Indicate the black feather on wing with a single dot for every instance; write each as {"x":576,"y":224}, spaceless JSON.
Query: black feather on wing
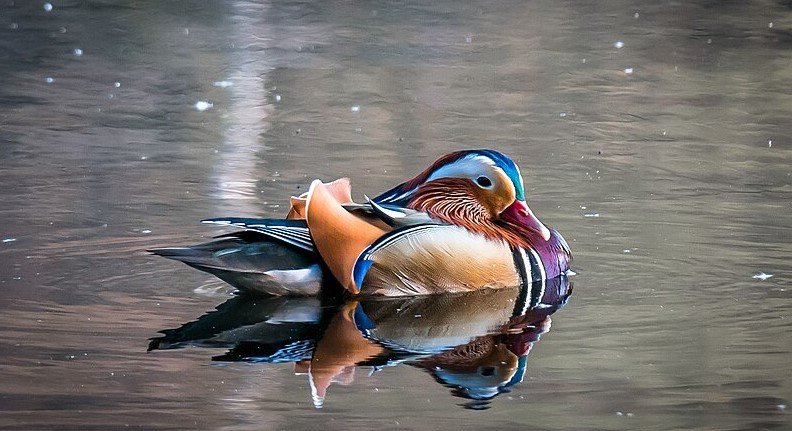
{"x":293,"y":232}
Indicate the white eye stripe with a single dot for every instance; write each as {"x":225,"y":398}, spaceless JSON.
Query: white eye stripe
{"x":471,"y":166}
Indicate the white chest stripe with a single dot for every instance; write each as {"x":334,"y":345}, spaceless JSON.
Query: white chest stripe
{"x":542,"y":281}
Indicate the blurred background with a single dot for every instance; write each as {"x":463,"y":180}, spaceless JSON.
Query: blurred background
{"x":654,"y":135}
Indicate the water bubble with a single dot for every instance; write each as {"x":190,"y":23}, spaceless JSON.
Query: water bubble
{"x":628,"y":70}
{"x":636,"y":15}
{"x":619,"y":44}
{"x":709,"y":41}
{"x":78,"y":52}
{"x":49,"y":80}
{"x":13,"y":26}
{"x":117,"y":85}
{"x":223,"y":84}
{"x":355,"y":108}
{"x":761,"y":276}
{"x":48,"y":7}
{"x":203,"y":105}
{"x":62,"y":29}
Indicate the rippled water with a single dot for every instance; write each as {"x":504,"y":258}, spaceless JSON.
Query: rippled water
{"x":655,"y":137}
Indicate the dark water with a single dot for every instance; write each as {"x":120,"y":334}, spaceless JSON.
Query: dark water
{"x":679,"y":140}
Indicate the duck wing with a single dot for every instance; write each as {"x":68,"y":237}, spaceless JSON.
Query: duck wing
{"x":292,"y":232}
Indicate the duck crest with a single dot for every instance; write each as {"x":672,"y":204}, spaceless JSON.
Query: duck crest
{"x":403,"y":193}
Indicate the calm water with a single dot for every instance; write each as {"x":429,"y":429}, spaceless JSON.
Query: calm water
{"x":665,"y":160}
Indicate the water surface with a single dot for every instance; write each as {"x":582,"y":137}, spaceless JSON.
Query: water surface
{"x":665,"y":160}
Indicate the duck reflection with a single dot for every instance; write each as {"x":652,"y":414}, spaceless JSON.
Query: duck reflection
{"x":475,"y":343}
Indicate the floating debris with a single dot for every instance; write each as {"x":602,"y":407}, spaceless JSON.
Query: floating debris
{"x":78,"y":52}
{"x":761,"y":276}
{"x":355,"y":108}
{"x":626,"y":250}
{"x":117,"y":84}
{"x":48,"y":7}
{"x":770,"y":25}
{"x":591,"y":215}
{"x":570,"y":273}
{"x":49,"y":80}
{"x":628,"y":70}
{"x":277,"y":97}
{"x":6,"y":240}
{"x":203,"y":106}
{"x":145,"y":231}
{"x":636,"y":15}
{"x":619,"y":44}
{"x":223,"y":84}
{"x":770,"y":143}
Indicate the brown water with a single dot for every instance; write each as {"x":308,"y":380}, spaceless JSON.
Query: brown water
{"x":687,"y":161}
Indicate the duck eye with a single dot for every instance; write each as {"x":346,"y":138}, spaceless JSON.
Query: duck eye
{"x":484,"y":182}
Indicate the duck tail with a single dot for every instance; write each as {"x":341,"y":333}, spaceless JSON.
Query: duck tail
{"x":260,"y":266}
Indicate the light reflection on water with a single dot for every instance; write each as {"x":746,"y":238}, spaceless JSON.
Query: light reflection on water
{"x":674,"y":157}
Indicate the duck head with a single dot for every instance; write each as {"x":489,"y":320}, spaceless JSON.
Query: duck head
{"x":481,"y":190}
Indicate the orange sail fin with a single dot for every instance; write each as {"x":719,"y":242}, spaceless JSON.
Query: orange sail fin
{"x":339,"y":236}
{"x":340,"y":189}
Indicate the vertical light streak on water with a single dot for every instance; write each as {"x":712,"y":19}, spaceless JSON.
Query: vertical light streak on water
{"x":247,"y":112}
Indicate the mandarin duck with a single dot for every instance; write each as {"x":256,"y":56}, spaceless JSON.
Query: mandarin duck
{"x":462,"y":224}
